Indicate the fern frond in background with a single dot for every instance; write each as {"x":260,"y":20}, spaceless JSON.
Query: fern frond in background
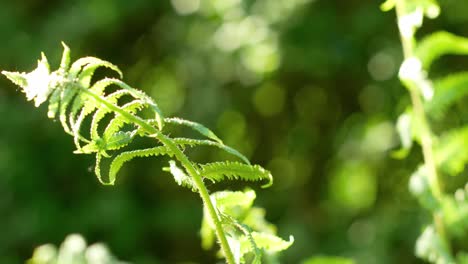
{"x":117,"y":115}
{"x":252,"y":232}
{"x":443,"y":154}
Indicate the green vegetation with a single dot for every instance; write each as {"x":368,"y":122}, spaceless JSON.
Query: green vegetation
{"x":443,"y":153}
{"x":73,"y":250}
{"x":73,"y":97}
{"x":368,"y":157}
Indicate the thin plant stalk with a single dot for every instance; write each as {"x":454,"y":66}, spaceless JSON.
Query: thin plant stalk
{"x":408,"y":44}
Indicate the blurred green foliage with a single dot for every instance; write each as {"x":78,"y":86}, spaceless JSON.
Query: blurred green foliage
{"x":306,"y":88}
{"x":73,"y":250}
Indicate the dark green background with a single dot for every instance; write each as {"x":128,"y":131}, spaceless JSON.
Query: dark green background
{"x":317,"y":108}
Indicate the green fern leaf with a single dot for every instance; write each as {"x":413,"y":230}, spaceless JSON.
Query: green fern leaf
{"x":268,"y":242}
{"x":91,"y":64}
{"x":114,"y":142}
{"x":87,"y":104}
{"x":65,"y":61}
{"x":183,"y":142}
{"x":54,"y":104}
{"x":102,"y":111}
{"x":195,"y":126}
{"x":119,"y":140}
{"x":450,"y":151}
{"x":255,"y":219}
{"x":73,"y":98}
{"x":232,"y":205}
{"x":180,"y":177}
{"x":95,"y":146}
{"x":142,"y":96}
{"x":447,"y":91}
{"x":97,"y":170}
{"x":438,"y":44}
{"x":234,"y":209}
{"x":97,"y":117}
{"x":99,"y":87}
{"x":247,"y":233}
{"x":387,"y":5}
{"x":82,"y":106}
{"x":18,"y":78}
{"x":219,"y":171}
{"x":36,"y":84}
{"x":226,"y":201}
{"x":76,"y":99}
{"x":88,"y":71}
{"x":118,"y":122}
{"x":76,"y":126}
{"x":66,"y":97}
{"x":123,"y":157}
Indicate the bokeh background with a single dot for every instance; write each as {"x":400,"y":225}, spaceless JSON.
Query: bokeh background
{"x":307,"y":89}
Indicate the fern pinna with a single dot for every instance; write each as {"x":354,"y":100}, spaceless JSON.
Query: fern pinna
{"x":444,"y":154}
{"x":118,"y":114}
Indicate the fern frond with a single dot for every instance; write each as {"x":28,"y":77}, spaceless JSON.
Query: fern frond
{"x":190,"y":142}
{"x":97,"y":170}
{"x":97,"y":117}
{"x":119,"y":140}
{"x":247,"y":233}
{"x":219,"y":171}
{"x":180,"y":177}
{"x":118,"y":122}
{"x":65,"y":61}
{"x":36,"y":84}
{"x":227,"y":200}
{"x":234,"y":209}
{"x":438,"y":44}
{"x":102,"y":145}
{"x":195,"y":126}
{"x":72,"y":98}
{"x":85,"y":105}
{"x":256,"y":220}
{"x":76,"y":100}
{"x":102,"y":111}
{"x":87,"y":66}
{"x":447,"y":91}
{"x":54,"y":104}
{"x":231,"y":205}
{"x":66,"y":97}
{"x":127,"y":156}
{"x":268,"y":242}
{"x":76,"y":126}
{"x":137,"y":95}
{"x":450,"y":152}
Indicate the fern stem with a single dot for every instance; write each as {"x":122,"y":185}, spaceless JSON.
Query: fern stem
{"x":182,"y":158}
{"x":408,"y":44}
{"x":203,"y":191}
